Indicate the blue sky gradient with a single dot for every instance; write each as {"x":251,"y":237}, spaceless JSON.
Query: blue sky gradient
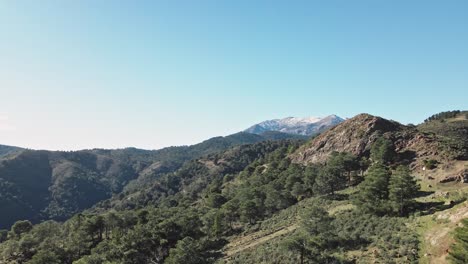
{"x":149,"y":74}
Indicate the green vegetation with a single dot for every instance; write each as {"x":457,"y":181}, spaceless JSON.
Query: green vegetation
{"x":443,"y":115}
{"x":382,"y":151}
{"x":430,"y":164}
{"x":451,"y":131}
{"x":383,"y":191}
{"x":314,"y":238}
{"x":187,"y":215}
{"x":216,"y":202}
{"x":41,"y":185}
{"x":459,"y":251}
{"x":402,"y":189}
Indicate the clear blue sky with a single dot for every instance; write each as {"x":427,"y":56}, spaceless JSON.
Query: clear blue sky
{"x":85,"y":74}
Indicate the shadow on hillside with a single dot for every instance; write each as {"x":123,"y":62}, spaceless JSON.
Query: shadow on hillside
{"x":353,"y":244}
{"x":423,"y":194}
{"x":338,"y":197}
{"x":406,"y":157}
{"x":432,"y":207}
{"x":215,"y":247}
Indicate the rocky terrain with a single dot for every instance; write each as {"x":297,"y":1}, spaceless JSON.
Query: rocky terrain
{"x":356,"y":135}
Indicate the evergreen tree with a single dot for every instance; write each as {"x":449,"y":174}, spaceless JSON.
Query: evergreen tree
{"x":299,"y":243}
{"x":249,"y":211}
{"x":458,"y":253}
{"x":313,"y":238}
{"x":298,"y":191}
{"x":336,"y":174}
{"x":186,"y":251}
{"x":382,"y":151}
{"x":215,"y":200}
{"x":310,"y":174}
{"x":372,"y":196}
{"x":3,"y":235}
{"x":329,"y":180}
{"x":21,"y":227}
{"x":402,"y":189}
{"x":48,"y":257}
{"x":229,"y":210}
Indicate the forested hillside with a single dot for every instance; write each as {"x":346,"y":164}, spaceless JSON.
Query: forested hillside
{"x":8,"y":150}
{"x":41,"y":185}
{"x":369,"y":190}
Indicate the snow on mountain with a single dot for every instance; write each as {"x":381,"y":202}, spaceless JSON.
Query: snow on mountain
{"x":306,"y":126}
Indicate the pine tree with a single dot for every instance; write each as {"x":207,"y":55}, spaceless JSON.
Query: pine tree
{"x":314,"y":236}
{"x":458,"y":253}
{"x":299,"y":243}
{"x":330,"y":179}
{"x":372,"y":196}
{"x":20,"y":227}
{"x":186,"y":251}
{"x":402,"y":189}
{"x":249,"y":211}
{"x":382,"y":151}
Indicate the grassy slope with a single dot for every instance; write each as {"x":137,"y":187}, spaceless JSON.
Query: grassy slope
{"x":453,"y":132}
{"x":435,"y":229}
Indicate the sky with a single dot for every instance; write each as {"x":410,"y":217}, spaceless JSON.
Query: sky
{"x":150,"y":74}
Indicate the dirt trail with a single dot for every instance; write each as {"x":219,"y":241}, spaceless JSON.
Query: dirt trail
{"x":254,"y":239}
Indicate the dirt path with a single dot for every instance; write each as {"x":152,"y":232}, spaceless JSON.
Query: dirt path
{"x":254,"y":239}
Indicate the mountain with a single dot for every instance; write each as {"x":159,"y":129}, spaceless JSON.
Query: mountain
{"x":432,"y":140}
{"x":307,"y":126}
{"x":7,"y":150}
{"x":331,"y":199}
{"x":40,"y":185}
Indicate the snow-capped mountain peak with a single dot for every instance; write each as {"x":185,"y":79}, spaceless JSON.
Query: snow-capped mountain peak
{"x":296,"y":125}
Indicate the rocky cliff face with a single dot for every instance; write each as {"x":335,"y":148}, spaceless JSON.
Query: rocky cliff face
{"x":356,"y":136}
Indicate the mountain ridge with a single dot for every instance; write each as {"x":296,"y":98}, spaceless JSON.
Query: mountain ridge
{"x":246,"y":203}
{"x":41,"y":184}
{"x":357,"y":134}
{"x":305,"y":126}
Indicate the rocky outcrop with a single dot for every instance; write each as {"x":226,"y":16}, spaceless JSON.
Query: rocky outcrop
{"x":354,"y":135}
{"x":459,"y":177}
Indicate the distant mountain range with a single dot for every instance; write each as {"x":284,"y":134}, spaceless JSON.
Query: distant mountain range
{"x":40,"y":185}
{"x":307,"y":126}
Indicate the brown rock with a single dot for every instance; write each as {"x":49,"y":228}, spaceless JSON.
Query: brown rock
{"x":354,"y":135}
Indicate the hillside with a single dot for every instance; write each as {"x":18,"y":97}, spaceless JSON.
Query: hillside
{"x":428,"y":141}
{"x":357,"y":193}
{"x":452,"y":131}
{"x":8,"y":150}
{"x":38,"y":185}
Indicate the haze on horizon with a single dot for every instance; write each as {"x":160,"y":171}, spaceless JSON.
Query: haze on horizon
{"x":150,"y":74}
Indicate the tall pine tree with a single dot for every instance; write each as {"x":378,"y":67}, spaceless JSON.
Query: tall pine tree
{"x":382,"y":151}
{"x":372,"y":196}
{"x":402,"y":189}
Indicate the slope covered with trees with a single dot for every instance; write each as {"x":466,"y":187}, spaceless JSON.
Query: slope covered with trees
{"x":40,"y":185}
{"x":8,"y":150}
{"x":259,"y":203}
